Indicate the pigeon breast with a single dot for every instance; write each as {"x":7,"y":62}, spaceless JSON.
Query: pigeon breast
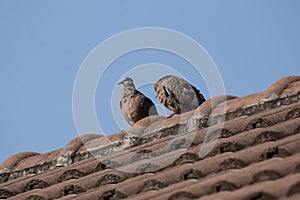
{"x":135,"y":105}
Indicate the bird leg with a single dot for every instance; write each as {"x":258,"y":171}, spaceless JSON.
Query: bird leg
{"x":171,"y":115}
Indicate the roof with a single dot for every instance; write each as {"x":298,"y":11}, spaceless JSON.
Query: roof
{"x":254,"y":154}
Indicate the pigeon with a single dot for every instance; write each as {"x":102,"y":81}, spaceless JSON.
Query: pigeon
{"x":134,"y":104}
{"x":177,"y":94}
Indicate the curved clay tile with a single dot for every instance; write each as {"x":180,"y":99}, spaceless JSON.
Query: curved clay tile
{"x":283,"y":83}
{"x":76,"y":143}
{"x":13,"y":161}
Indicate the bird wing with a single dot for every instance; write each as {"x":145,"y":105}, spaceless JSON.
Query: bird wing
{"x":147,"y":106}
{"x":166,"y":97}
{"x":141,"y":106}
{"x":178,"y":95}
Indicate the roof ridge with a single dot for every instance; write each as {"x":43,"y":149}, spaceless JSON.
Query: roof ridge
{"x":277,"y":95}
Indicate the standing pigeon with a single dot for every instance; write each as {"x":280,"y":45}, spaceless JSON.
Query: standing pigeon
{"x":177,"y":94}
{"x":135,"y":105}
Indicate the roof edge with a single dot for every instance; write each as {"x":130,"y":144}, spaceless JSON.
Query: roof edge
{"x":285,"y":91}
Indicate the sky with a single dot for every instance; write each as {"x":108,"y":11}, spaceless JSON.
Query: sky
{"x":43,"y":44}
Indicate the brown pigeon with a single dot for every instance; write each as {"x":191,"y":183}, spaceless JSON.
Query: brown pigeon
{"x":134,"y":104}
{"x":177,"y":94}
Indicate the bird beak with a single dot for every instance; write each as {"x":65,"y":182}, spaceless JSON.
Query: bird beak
{"x":120,"y":83}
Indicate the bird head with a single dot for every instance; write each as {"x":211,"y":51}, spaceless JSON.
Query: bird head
{"x":127,"y":82}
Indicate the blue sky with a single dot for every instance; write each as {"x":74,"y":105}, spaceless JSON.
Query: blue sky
{"x":43,"y":44}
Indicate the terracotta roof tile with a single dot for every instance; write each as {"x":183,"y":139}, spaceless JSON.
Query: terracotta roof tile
{"x":235,"y":179}
{"x":282,"y":187}
{"x":282,"y":84}
{"x":206,"y":108}
{"x":76,"y":143}
{"x":293,"y":197}
{"x":11,"y":162}
{"x":36,"y":160}
{"x":228,"y":161}
{"x":288,"y":85}
{"x":256,"y":155}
